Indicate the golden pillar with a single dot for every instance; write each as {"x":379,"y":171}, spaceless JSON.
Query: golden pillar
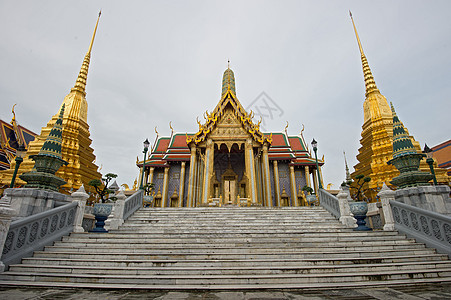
{"x":141,"y":173}
{"x":250,"y":170}
{"x":150,"y":177}
{"x":321,"y":175}
{"x":192,"y":175}
{"x":182,"y":183}
{"x":276,"y":183}
{"x":165,"y":187}
{"x":266,"y":178}
{"x":307,"y":176}
{"x":294,"y":197}
{"x":208,"y":171}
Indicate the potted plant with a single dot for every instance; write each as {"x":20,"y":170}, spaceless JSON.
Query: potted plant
{"x":359,"y":205}
{"x":103,"y":209}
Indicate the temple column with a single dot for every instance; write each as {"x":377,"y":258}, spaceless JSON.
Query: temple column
{"x":267,"y":180}
{"x":307,"y":176}
{"x":192,"y":175}
{"x":151,"y":174}
{"x":294,"y":198}
{"x":182,"y":183}
{"x":165,"y":187}
{"x":276,"y":183}
{"x":321,"y":177}
{"x":208,"y":170}
{"x":250,"y":170}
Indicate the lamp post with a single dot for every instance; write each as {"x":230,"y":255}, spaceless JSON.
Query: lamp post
{"x":314,"y":145}
{"x":20,"y":154}
{"x":430,"y":161}
{"x":146,"y":148}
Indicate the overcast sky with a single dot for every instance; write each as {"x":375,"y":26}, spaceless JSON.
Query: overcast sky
{"x":159,"y":61}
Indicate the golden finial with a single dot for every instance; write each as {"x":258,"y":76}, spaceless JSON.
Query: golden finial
{"x":302,"y":130}
{"x":170,"y":126}
{"x":94,"y":34}
{"x":228,"y":64}
{"x":286,"y":127}
{"x":80,"y":83}
{"x":356,"y":34}
{"x":156,"y":130}
{"x":370,"y":84}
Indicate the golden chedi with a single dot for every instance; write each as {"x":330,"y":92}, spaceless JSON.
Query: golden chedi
{"x":377,"y":136}
{"x":75,"y":148}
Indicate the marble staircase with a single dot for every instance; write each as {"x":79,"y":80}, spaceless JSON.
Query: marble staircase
{"x":231,"y":248}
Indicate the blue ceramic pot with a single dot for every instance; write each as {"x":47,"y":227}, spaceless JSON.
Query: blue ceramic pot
{"x":103,"y":209}
{"x":359,"y":210}
{"x":101,"y":213}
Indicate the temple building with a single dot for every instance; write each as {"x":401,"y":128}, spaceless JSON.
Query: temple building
{"x":377,"y":136}
{"x":76,"y":149}
{"x":11,"y":136}
{"x":229,"y":161}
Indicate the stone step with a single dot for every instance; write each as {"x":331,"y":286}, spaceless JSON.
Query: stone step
{"x":150,"y":254}
{"x":410,"y":283}
{"x":231,"y":250}
{"x":256,"y":244}
{"x":334,"y":233}
{"x":222,"y":238}
{"x":235,"y":279}
{"x":288,"y":262}
{"x":254,"y":270}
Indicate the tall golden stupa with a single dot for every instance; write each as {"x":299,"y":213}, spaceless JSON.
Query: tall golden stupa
{"x":76,"y":149}
{"x":377,"y":136}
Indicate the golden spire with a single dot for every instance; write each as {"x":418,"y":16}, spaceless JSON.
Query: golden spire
{"x":370,"y":84}
{"x":80,"y":83}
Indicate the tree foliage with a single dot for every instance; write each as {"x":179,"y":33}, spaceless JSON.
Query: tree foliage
{"x":101,"y":186}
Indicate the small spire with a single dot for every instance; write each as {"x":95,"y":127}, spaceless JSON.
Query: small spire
{"x":348,"y":175}
{"x":228,"y":82}
{"x":52,"y":144}
{"x":370,"y":84}
{"x":80,"y":83}
{"x":402,"y":144}
{"x":228,"y":64}
{"x":392,"y":109}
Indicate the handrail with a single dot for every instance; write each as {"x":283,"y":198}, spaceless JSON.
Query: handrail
{"x":37,"y":231}
{"x":329,"y":202}
{"x":425,"y":226}
{"x":132,"y":204}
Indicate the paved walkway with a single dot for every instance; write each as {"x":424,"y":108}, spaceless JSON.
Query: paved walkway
{"x":432,"y":292}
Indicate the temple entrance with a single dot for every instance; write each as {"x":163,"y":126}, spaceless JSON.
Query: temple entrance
{"x":230,"y":192}
{"x":229,"y":171}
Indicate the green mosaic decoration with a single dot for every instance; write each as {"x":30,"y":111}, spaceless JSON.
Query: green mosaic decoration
{"x":48,"y":161}
{"x":405,"y":158}
{"x":228,"y":82}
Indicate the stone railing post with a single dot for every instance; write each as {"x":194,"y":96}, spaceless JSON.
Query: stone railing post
{"x":386,"y":194}
{"x":6,"y":214}
{"x":80,"y":197}
{"x":118,"y":212}
{"x":345,"y":212}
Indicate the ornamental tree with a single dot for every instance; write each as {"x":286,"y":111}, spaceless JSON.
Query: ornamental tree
{"x":101,"y":186}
